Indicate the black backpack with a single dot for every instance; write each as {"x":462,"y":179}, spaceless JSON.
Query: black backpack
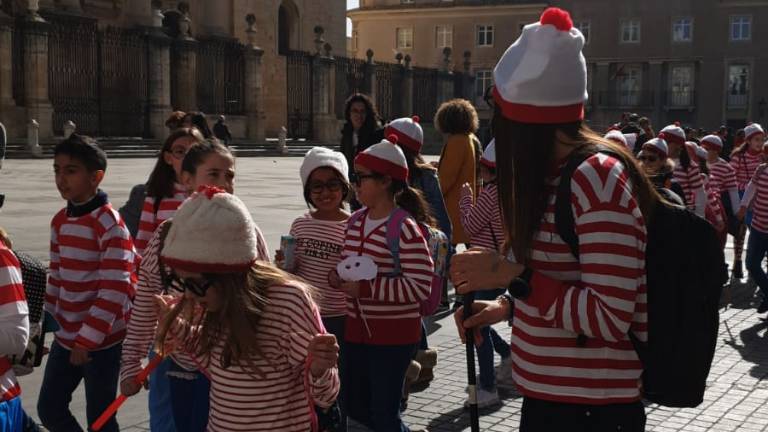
{"x":685,"y":274}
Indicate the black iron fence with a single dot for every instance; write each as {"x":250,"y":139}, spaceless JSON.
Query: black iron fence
{"x":425,"y":82}
{"x":300,"y":94}
{"x":220,"y":69}
{"x":388,"y":83}
{"x":350,"y":79}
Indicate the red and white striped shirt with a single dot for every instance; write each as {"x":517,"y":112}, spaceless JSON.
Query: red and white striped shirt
{"x":756,"y":196}
{"x":13,"y":309}
{"x":602,"y":295}
{"x":722,"y":178}
{"x":482,"y":221}
{"x":151,"y":219}
{"x":318,"y":250}
{"x":693,"y":186}
{"x":278,"y":401}
{"x":745,"y":165}
{"x":91,"y":277}
{"x":387,"y":311}
{"x":142,"y":326}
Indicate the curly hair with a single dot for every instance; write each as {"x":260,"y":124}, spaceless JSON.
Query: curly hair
{"x":457,"y":117}
{"x":372,"y":118}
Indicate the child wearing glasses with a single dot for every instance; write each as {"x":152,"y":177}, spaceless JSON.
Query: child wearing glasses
{"x":687,"y":172}
{"x":253,"y":328}
{"x":655,"y":163}
{"x":164,"y":191}
{"x":178,"y":392}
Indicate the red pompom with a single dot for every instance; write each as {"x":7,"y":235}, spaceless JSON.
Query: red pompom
{"x":416,"y":119}
{"x":392,"y":138}
{"x":557,"y":17}
{"x":210,"y":191}
{"x":677,"y":123}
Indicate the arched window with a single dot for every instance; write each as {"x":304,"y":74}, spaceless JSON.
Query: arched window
{"x":287,"y":27}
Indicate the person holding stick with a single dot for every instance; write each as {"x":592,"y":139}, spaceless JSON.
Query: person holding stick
{"x":572,"y":357}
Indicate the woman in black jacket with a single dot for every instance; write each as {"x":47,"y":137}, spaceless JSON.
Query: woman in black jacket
{"x":362,"y":130}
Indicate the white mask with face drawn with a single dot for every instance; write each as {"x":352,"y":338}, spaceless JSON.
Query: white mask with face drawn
{"x":357,"y":268}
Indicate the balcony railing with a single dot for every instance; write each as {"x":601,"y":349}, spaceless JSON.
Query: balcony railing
{"x":625,"y":98}
{"x":679,"y":99}
{"x":737,"y":100}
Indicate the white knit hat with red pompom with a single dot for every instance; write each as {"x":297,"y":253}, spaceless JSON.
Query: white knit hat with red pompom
{"x":385,"y":158}
{"x":409,"y":133}
{"x":616,"y":136}
{"x":712,"y":140}
{"x":542,"y":77}
{"x":489,"y":155}
{"x":673,"y":134}
{"x":322,"y":157}
{"x":658,"y":146}
{"x":212,"y":232}
{"x":751,"y":130}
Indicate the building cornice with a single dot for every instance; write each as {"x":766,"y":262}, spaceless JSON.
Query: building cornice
{"x":435,"y":11}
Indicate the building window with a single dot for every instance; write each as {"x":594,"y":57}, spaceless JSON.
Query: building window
{"x":738,"y":86}
{"x":584,"y":27}
{"x":629,"y":83}
{"x":444,"y":36}
{"x":682,"y":30}
{"x":681,"y":86}
{"x":485,"y":35}
{"x":483,"y":80}
{"x":630,"y":31}
{"x":404,"y":38}
{"x":741,"y":28}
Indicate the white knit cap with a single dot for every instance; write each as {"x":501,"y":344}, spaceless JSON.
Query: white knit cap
{"x":385,"y":158}
{"x":673,"y":133}
{"x":616,"y":136}
{"x":695,"y":150}
{"x":712,"y":140}
{"x":752,"y":130}
{"x":489,"y":155}
{"x":542,"y":77}
{"x":631,"y":140}
{"x":658,"y":146}
{"x":409,"y":133}
{"x":212,"y":232}
{"x":322,"y":157}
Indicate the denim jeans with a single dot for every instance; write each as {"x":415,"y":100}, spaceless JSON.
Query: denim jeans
{"x":757,"y":248}
{"x":12,"y":417}
{"x":61,"y":378}
{"x":178,"y":399}
{"x":372,"y":384}
{"x":335,"y":326}
{"x":491,"y":342}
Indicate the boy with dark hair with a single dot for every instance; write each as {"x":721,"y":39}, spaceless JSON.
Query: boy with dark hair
{"x":89,"y":287}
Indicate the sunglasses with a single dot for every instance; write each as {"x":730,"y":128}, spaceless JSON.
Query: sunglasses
{"x":196,"y":287}
{"x":645,"y":158}
{"x":178,"y":152}
{"x":331,"y":185}
{"x":357,"y":178}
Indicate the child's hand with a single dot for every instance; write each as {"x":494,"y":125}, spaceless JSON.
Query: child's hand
{"x":333,"y":279}
{"x":435,"y":164}
{"x":163,"y":305}
{"x":130,"y":387}
{"x":352,"y":289}
{"x":324,"y":352}
{"x":742,"y":213}
{"x":279,"y":258}
{"x":466,"y":190}
{"x":79,"y":356}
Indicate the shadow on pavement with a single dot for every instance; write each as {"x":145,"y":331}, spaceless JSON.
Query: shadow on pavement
{"x":754,"y":347}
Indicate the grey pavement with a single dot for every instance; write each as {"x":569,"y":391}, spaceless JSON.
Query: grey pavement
{"x":737,"y":394}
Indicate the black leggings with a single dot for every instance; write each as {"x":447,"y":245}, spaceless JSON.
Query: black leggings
{"x":539,"y":415}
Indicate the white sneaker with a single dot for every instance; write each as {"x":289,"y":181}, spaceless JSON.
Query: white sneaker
{"x":504,"y":373}
{"x":485,"y":398}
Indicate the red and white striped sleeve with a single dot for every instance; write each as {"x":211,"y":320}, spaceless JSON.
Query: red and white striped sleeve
{"x":476,"y":218}
{"x":53,"y":286}
{"x":414,"y":284}
{"x":147,"y":225}
{"x":116,"y":267}
{"x":14,"y":313}
{"x":262,"y":249}
{"x":612,"y":236}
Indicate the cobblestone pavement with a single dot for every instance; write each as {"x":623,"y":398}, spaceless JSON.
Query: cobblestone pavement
{"x":736,"y":398}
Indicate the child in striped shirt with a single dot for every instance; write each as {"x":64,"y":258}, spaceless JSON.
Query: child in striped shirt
{"x":482,"y":221}
{"x":745,"y":159}
{"x":90,"y":283}
{"x":254,"y":329}
{"x":164,"y":191}
{"x":687,"y":172}
{"x":383,"y":325}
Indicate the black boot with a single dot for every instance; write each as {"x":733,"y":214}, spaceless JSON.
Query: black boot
{"x":738,"y":270}
{"x":763,"y":307}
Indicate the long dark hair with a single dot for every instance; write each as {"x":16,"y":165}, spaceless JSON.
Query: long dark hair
{"x":372,"y":119}
{"x":416,"y":165}
{"x":201,"y":123}
{"x":163,"y":177}
{"x":412,"y":201}
{"x":525,"y":155}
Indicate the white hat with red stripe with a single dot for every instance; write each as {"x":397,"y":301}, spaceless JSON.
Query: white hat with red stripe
{"x":712,"y":141}
{"x":212,"y":232}
{"x":489,"y":155}
{"x":695,"y":150}
{"x":752,"y":130}
{"x":323,"y":157}
{"x":616,"y":136}
{"x":385,"y":158}
{"x":658,"y":146}
{"x":673,"y":134}
{"x":542,"y":77}
{"x":409,"y":133}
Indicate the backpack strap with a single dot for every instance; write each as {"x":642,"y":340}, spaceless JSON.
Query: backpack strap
{"x":394,"y":229}
{"x":165,"y":278}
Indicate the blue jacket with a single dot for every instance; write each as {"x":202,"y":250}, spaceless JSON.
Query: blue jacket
{"x":429,"y":185}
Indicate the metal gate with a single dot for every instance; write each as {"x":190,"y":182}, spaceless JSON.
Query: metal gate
{"x":388,"y":80}
{"x":299,"y":94}
{"x":221,"y":76}
{"x":425,"y":93}
{"x":350,"y":79}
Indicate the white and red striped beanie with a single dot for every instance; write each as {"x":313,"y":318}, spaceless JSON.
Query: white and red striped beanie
{"x":385,"y":158}
{"x":695,"y":150}
{"x":673,"y":134}
{"x":712,"y":140}
{"x":212,"y":232}
{"x":616,"y":136}
{"x":489,"y":155}
{"x":751,"y":130}
{"x":542,"y":77}
{"x":408,"y":131}
{"x":658,"y":146}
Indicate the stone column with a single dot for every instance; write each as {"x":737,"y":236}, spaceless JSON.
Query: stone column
{"x":141,"y":12}
{"x":324,"y":121}
{"x":36,"y":75}
{"x":186,"y":74}
{"x":369,"y":86}
{"x":468,"y":82}
{"x":6,"y":68}
{"x":406,"y":96}
{"x":159,"y":80}
{"x":656,"y":84}
{"x":254,"y":85}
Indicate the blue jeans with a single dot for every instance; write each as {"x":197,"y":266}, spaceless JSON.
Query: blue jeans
{"x":757,"y":248}
{"x":335,"y":326}
{"x":491,"y":342}
{"x":61,"y":378}
{"x":178,"y":399}
{"x":12,"y":417}
{"x":372,"y":384}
